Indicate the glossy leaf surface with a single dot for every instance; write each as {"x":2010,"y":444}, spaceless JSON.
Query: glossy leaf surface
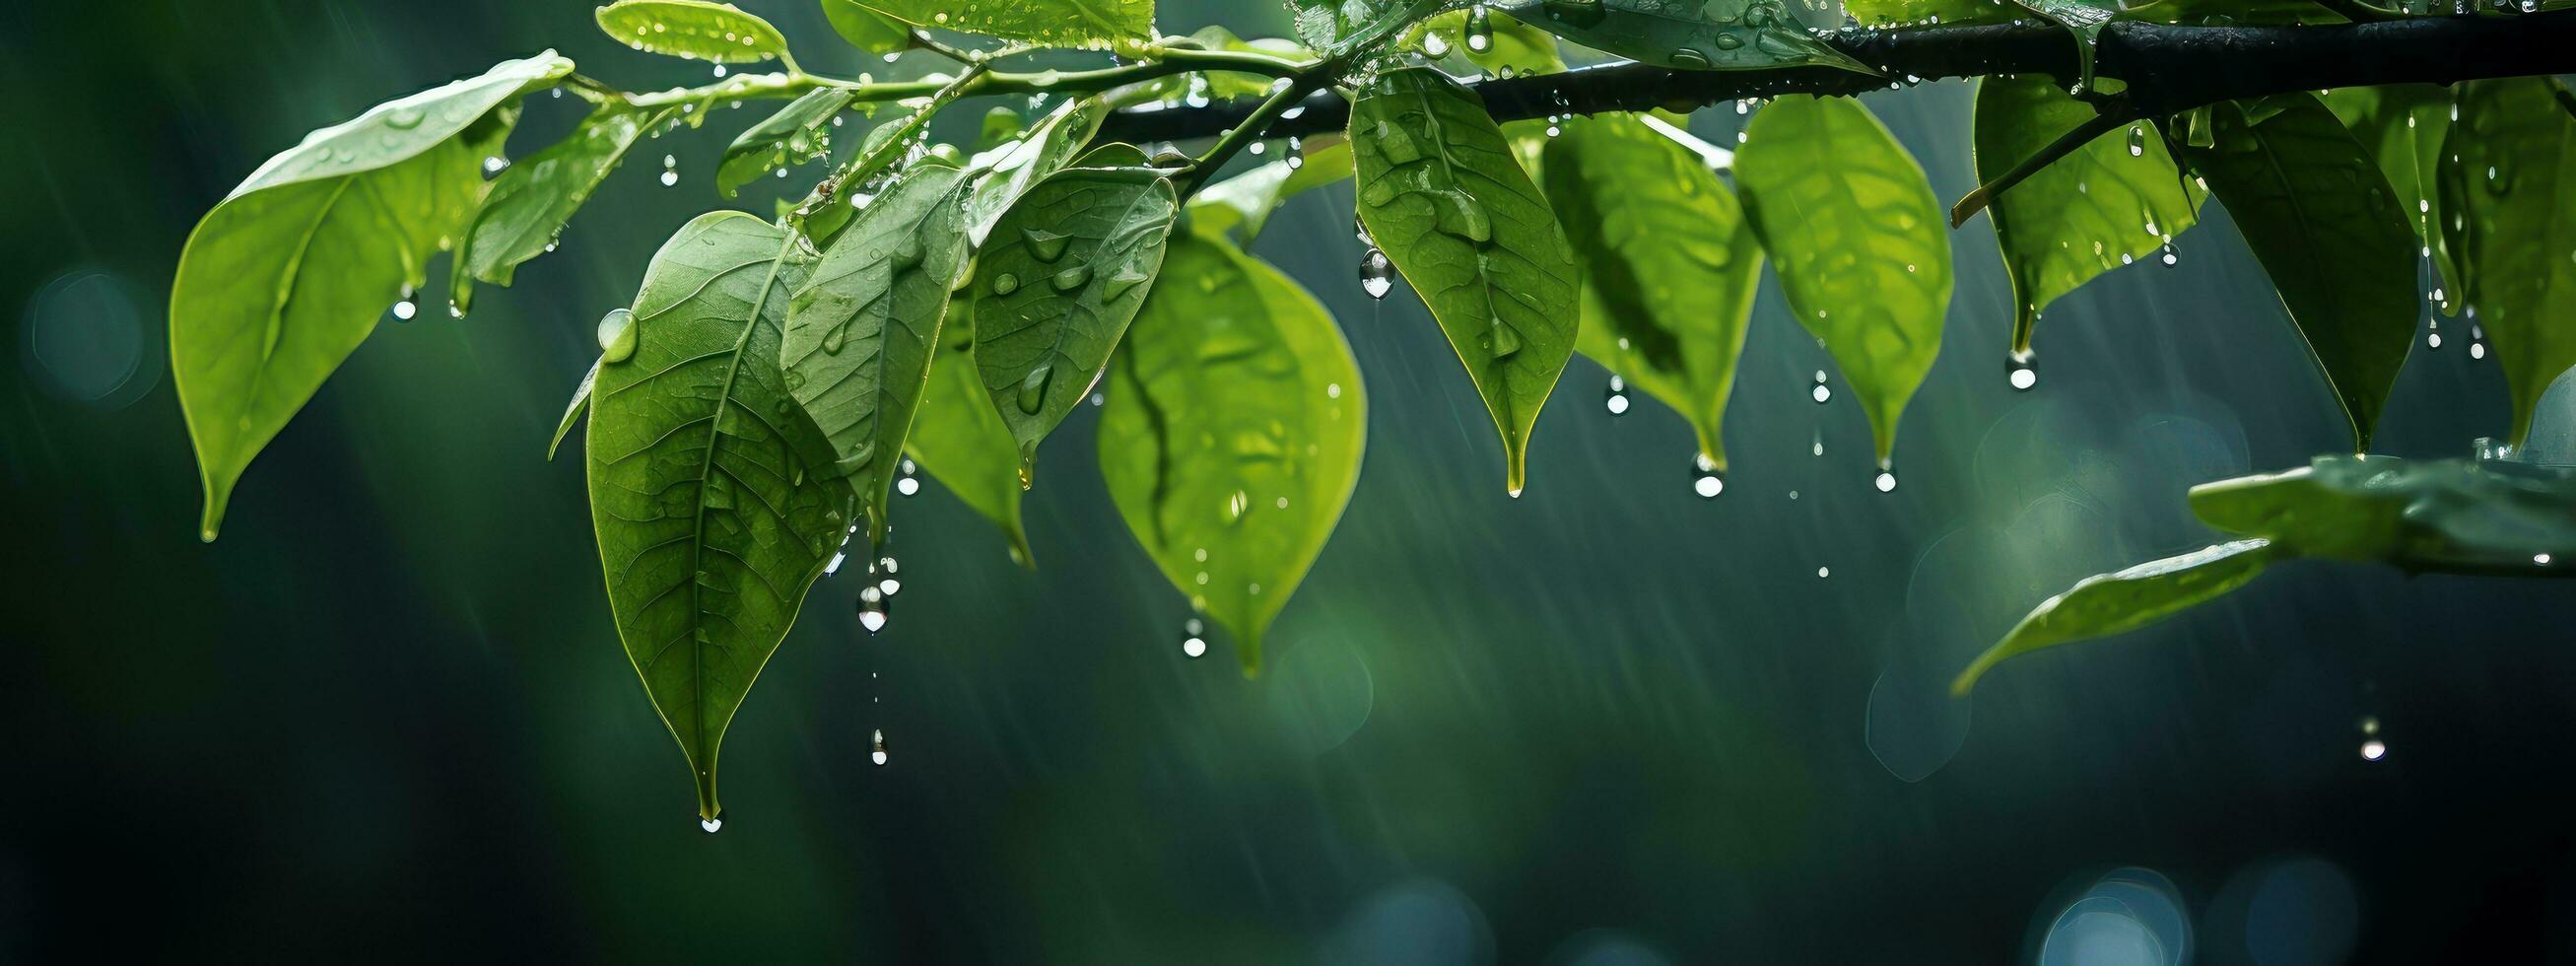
{"x":2514,"y":182}
{"x":799,"y":132}
{"x":2116,"y":603}
{"x":1092,"y":24}
{"x":866,"y":29}
{"x":719,"y":32}
{"x":532,"y":201}
{"x":1047,"y":148}
{"x":959,"y":439}
{"x":2404,"y":127}
{"x":1717,"y":35}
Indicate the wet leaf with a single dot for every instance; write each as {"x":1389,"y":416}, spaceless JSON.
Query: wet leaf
{"x":798,"y":133}
{"x":1669,"y":265}
{"x":2328,"y":230}
{"x":2116,"y":603}
{"x":866,"y":29}
{"x":2114,"y":200}
{"x":2513,"y":189}
{"x":573,"y":411}
{"x":1508,"y":44}
{"x":2404,"y":126}
{"x":2232,"y":13}
{"x":1930,"y":13}
{"x":695,"y":29}
{"x":1248,"y":199}
{"x":1088,"y":24}
{"x":861,"y":331}
{"x":1233,"y":432}
{"x":1046,"y":149}
{"x":1858,"y":241}
{"x":709,"y":488}
{"x":959,"y":439}
{"x":1440,"y":192}
{"x":1717,"y":35}
{"x":532,"y":201}
{"x":1334,"y":27}
{"x":290,"y":272}
{"x":1055,"y":287}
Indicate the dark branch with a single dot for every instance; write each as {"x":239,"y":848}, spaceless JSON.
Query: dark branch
{"x":2167,"y":68}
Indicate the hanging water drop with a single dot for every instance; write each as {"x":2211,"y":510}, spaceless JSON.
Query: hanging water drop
{"x":2433,"y":336}
{"x":886,"y":582}
{"x":908,"y":484}
{"x":405,"y":309}
{"x":1706,"y":479}
{"x":1886,"y":481}
{"x":1822,"y":393}
{"x":617,"y":336}
{"x":1377,"y":275}
{"x":872,"y":609}
{"x":2170,"y":257}
{"x":1480,"y":30}
{"x":711,"y":824}
{"x":876,"y":746}
{"x":2020,"y":372}
{"x":2477,"y":342}
{"x":1193,"y":640}
{"x":1616,"y":400}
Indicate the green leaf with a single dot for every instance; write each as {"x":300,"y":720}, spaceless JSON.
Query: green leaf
{"x":1087,"y":24}
{"x":579,"y":407}
{"x":2117,"y":603}
{"x":1247,"y":199}
{"x":290,"y":272}
{"x":1717,"y":35}
{"x":1336,"y":27}
{"x":1499,"y":45}
{"x":1055,"y":287}
{"x":1930,"y":13}
{"x":861,"y":331}
{"x":2404,"y":125}
{"x":1858,"y":242}
{"x":709,"y":488}
{"x":1016,"y":168}
{"x":695,"y":29}
{"x":961,"y":441}
{"x":2109,"y":202}
{"x":2082,"y":19}
{"x":1441,"y":194}
{"x":2329,"y":232}
{"x":1233,"y":432}
{"x":866,"y":29}
{"x":2513,"y":189}
{"x":799,"y":132}
{"x":532,"y":201}
{"x":1669,"y":266}
{"x":2232,"y":13}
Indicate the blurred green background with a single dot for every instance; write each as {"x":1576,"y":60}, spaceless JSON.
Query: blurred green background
{"x":386,"y":717}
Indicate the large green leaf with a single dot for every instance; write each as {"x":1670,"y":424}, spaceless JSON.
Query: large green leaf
{"x":1089,"y":24}
{"x":2404,"y":125}
{"x":1233,"y":432}
{"x":1055,"y":287}
{"x":861,"y":331}
{"x":1857,"y":239}
{"x":2330,"y":233}
{"x":290,"y":272}
{"x":1496,"y":44}
{"x":1716,"y":35}
{"x":1669,"y":266}
{"x":718,"y":32}
{"x":1247,"y":200}
{"x":1441,"y":194}
{"x":1335,"y":27}
{"x":961,"y":440}
{"x":799,"y":132}
{"x":710,"y":489}
{"x":866,"y":29}
{"x":532,"y":201}
{"x":2513,"y":175}
{"x":2116,"y":603}
{"x":2101,"y":206}
{"x":1020,"y":165}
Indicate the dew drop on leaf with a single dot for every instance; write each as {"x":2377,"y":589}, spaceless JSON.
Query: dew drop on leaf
{"x":1033,"y":389}
{"x":617,"y":336}
{"x":1377,"y":275}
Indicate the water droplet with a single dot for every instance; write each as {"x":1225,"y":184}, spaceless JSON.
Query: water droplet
{"x":1377,"y":275}
{"x":1033,"y":389}
{"x":2374,"y":750}
{"x":1822,"y":393}
{"x":872,"y":608}
{"x":1006,"y":284}
{"x":405,"y":309}
{"x":1886,"y":481}
{"x":1480,"y":30}
{"x":1435,"y":45}
{"x":1046,"y":245}
{"x":886,"y":582}
{"x":1706,"y":479}
{"x":2020,"y":372}
{"x":711,"y":824}
{"x":876,"y":747}
{"x":2477,"y":342}
{"x":1727,"y":41}
{"x":908,"y":484}
{"x":617,"y":336}
{"x":2170,"y":257}
{"x":2137,"y":140}
{"x":1824,"y":572}
{"x":1071,"y":279}
{"x":1193,"y":638}
{"x":1616,"y":399}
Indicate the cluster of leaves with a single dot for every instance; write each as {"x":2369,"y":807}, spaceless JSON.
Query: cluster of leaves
{"x":927,"y":305}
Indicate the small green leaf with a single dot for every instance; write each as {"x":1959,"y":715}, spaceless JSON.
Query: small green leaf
{"x":709,"y":488}
{"x":2328,"y":230}
{"x":2512,"y":190}
{"x":574,"y":410}
{"x":291,"y":271}
{"x":532,"y":201}
{"x":1086,"y":24}
{"x":1858,"y":242}
{"x":1247,"y":199}
{"x":2105,"y":204}
{"x":1669,"y":266}
{"x":1495,"y":43}
{"x":799,"y":132}
{"x":2404,"y":125}
{"x":866,"y":29}
{"x":861,"y":331}
{"x":961,"y":441}
{"x":1717,"y":35}
{"x":1233,"y":432}
{"x":1055,"y":287}
{"x":1016,"y":168}
{"x":695,"y":29}
{"x":1442,"y":195}
{"x":2117,"y":603}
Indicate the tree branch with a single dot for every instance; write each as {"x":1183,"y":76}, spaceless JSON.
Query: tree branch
{"x":2168,"y":69}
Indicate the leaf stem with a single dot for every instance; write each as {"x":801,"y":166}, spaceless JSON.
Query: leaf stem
{"x":2113,"y":116}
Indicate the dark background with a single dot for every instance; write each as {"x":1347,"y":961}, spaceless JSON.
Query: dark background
{"x":386,"y":717}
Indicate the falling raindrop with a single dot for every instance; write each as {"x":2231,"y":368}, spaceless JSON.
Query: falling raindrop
{"x":2477,"y":342}
{"x":2374,"y":750}
{"x":1823,"y":393}
{"x":1706,"y":479}
{"x":2020,"y":371}
{"x":909,"y":483}
{"x":1886,"y":481}
{"x":2169,"y":257}
{"x":1377,"y":276}
{"x":886,"y":582}
{"x":872,"y":608}
{"x":876,"y":746}
{"x":405,"y":309}
{"x":711,"y":824}
{"x":1617,"y":397}
{"x":2433,"y":336}
{"x":1193,"y":640}
{"x":1824,"y":572}
{"x":670,"y":170}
